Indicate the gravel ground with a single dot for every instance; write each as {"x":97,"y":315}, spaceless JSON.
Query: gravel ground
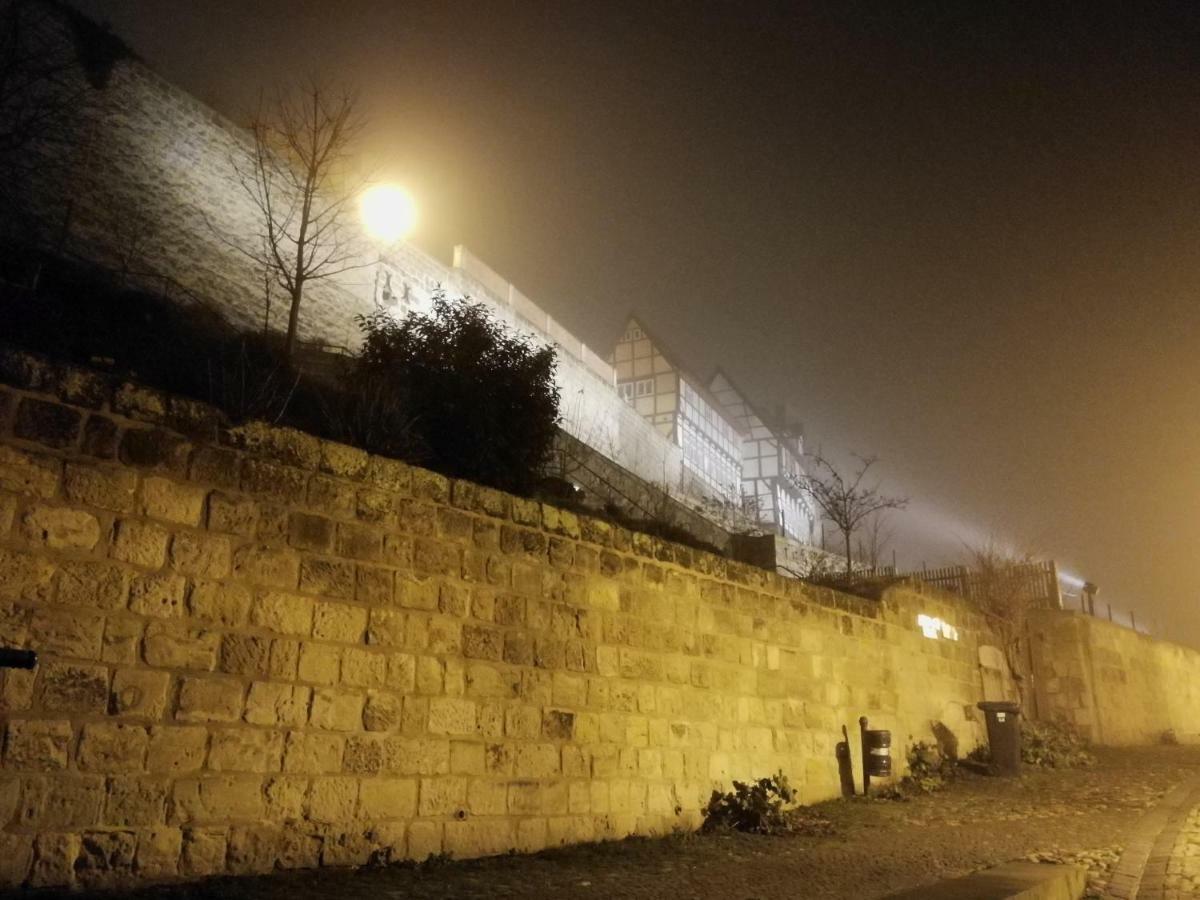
{"x":878,"y":847}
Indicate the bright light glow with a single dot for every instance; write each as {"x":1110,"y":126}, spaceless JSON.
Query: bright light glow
{"x":934,"y":628}
{"x":1071,"y":580}
{"x":388,"y":212}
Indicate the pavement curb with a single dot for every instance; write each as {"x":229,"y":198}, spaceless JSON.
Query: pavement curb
{"x":1143,"y":865}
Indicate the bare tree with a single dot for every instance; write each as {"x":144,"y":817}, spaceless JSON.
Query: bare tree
{"x":1000,"y":584}
{"x":874,"y":537}
{"x":296,"y":173}
{"x":844,"y":499}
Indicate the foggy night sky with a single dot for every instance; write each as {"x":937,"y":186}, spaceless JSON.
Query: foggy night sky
{"x":961,"y":236}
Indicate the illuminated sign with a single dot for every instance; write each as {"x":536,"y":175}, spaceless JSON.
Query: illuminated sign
{"x":933,"y":627}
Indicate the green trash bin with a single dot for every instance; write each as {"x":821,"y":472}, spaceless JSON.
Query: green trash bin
{"x":1004,"y":735}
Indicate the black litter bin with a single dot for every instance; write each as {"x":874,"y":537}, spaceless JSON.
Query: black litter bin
{"x":1004,"y":734}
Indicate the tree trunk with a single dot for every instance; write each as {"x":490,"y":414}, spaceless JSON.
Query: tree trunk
{"x":293,"y":318}
{"x":849,"y":563}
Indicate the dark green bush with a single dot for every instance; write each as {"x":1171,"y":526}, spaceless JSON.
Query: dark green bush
{"x":757,"y":806}
{"x":929,"y":770}
{"x":1054,"y":745}
{"x":481,"y":401}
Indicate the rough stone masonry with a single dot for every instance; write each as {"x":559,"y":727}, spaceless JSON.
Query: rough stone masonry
{"x":259,"y":649}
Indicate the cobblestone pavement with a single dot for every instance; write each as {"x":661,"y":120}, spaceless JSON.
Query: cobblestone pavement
{"x":1162,"y":859}
{"x":878,"y":847}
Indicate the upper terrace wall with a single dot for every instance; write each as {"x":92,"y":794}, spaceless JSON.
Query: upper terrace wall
{"x":153,"y":189}
{"x":1116,"y":685}
{"x":267,"y":650}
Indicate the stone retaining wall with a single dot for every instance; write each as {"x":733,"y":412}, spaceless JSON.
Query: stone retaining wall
{"x":1115,"y":685}
{"x":259,"y":650}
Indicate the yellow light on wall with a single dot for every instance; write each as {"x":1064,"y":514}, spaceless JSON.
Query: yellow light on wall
{"x":388,"y":212}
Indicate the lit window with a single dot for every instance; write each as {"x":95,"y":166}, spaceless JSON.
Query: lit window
{"x":625,"y":389}
{"x":644,"y":387}
{"x":934,"y":628}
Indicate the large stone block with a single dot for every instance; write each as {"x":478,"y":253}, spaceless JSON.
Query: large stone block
{"x":217,"y":466}
{"x":419,"y":756}
{"x":262,"y":564}
{"x":373,"y":585}
{"x":319,"y":663}
{"x":221,"y":603}
{"x":283,"y":613}
{"x":110,"y":748}
{"x":382,"y":711}
{"x":73,"y":687}
{"x":60,"y":528}
{"x":24,"y":576}
{"x":232,"y":514}
{"x":92,"y":584}
{"x":218,"y":800}
{"x":55,"y":860}
{"x":388,"y":798}
{"x":451,"y":716}
{"x":162,"y":594}
{"x":158,"y":852}
{"x":442,"y":796}
{"x":29,"y":473}
{"x":178,"y":645}
{"x":337,"y":498}
{"x":140,"y":693}
{"x":46,"y":423}
{"x":363,"y":668}
{"x":333,"y":799}
{"x":281,"y":483}
{"x":101,"y":437}
{"x":245,"y":750}
{"x":106,"y":487}
{"x":243,"y":654}
{"x":335,"y":710}
{"x":157,"y":449}
{"x":327,"y":578}
{"x":56,"y":801}
{"x":424,"y":840}
{"x":140,"y":543}
{"x":204,"y":852}
{"x":67,"y":632}
{"x":201,"y":555}
{"x":122,"y":639}
{"x":135,"y":800}
{"x":309,"y":532}
{"x":178,"y":502}
{"x":339,"y":622}
{"x":313,"y":753}
{"x":210,"y":700}
{"x":387,"y":627}
{"x":16,"y":857}
{"x":272,"y":703}
{"x":37,"y":745}
{"x":177,"y":749}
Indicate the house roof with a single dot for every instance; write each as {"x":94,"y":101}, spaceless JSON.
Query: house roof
{"x":698,"y":384}
{"x":770,"y":422}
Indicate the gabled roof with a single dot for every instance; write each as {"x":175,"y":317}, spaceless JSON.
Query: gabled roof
{"x":770,"y":422}
{"x":700,"y":386}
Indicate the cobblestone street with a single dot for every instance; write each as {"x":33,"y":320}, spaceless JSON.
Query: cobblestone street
{"x":1083,"y":816}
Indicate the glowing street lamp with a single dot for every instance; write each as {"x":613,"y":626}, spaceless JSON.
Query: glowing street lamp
{"x":388,"y":212}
